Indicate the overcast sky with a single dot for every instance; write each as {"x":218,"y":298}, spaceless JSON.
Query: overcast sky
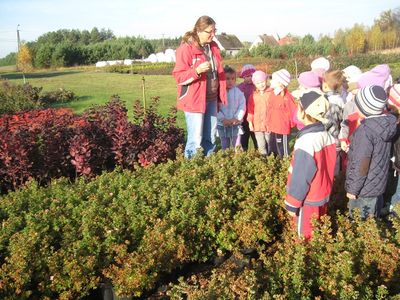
{"x":171,"y":18}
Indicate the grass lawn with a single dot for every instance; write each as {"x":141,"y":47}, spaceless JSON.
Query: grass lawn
{"x":96,"y":87}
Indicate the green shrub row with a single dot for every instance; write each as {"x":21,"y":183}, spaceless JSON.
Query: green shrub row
{"x":23,"y":97}
{"x":143,"y":69}
{"x":131,"y":229}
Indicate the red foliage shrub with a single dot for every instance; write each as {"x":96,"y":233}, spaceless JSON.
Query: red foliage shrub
{"x":50,"y":143}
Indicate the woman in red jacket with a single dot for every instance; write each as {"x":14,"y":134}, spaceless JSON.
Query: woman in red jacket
{"x":201,"y":85}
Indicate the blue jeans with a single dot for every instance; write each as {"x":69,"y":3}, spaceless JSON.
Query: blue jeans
{"x":201,"y":130}
{"x":366,"y":206}
{"x":395,"y":199}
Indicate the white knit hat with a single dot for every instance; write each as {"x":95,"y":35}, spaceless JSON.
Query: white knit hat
{"x":352,"y":73}
{"x":320,"y":63}
{"x":282,"y":76}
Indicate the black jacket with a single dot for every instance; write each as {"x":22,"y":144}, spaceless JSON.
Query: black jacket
{"x":369,"y":156}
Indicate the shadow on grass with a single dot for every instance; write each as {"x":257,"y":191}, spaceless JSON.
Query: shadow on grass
{"x":36,"y":75}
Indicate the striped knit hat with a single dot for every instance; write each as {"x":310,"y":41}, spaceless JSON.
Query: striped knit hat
{"x":282,"y":76}
{"x":371,"y":100}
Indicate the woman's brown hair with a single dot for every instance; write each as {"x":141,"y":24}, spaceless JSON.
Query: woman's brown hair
{"x":201,"y":24}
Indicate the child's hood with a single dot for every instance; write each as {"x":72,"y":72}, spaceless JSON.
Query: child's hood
{"x":384,"y":126}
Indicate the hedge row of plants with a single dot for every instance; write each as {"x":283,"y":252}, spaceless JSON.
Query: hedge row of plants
{"x":143,"y":69}
{"x":23,"y":97}
{"x":138,"y":229}
{"x":51,"y":143}
{"x":363,"y":61}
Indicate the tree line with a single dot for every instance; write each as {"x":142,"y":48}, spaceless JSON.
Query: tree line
{"x":65,"y":48}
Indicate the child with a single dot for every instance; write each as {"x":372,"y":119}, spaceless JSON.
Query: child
{"x":308,"y":81}
{"x":230,"y":115}
{"x":368,"y":157}
{"x":280,"y":112}
{"x":379,"y":75}
{"x":351,"y":74}
{"x":332,"y":83}
{"x":319,"y":66}
{"x":311,"y":170}
{"x":247,"y":87}
{"x":257,"y":112}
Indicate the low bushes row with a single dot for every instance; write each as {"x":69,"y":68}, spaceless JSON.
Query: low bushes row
{"x":23,"y":97}
{"x":143,"y":69}
{"x":51,"y":143}
{"x":133,"y":229}
{"x":302,"y":64}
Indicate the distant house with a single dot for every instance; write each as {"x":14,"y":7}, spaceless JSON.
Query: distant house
{"x":264,"y":39}
{"x":228,"y":43}
{"x":287,"y":40}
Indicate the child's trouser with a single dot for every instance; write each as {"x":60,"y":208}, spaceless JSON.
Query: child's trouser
{"x":367,"y":207}
{"x":303,"y":221}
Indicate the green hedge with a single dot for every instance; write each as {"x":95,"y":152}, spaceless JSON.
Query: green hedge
{"x":132,"y":229}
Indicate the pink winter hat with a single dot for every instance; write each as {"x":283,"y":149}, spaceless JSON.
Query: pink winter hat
{"x":282,"y":76}
{"x":258,"y":76}
{"x":376,"y":76}
{"x":247,"y":70}
{"x":309,"y":79}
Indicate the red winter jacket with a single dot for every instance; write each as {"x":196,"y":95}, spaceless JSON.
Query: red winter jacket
{"x":192,"y":87}
{"x":310,"y":178}
{"x":280,"y":112}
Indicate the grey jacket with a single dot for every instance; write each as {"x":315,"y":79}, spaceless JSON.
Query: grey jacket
{"x":369,"y":156}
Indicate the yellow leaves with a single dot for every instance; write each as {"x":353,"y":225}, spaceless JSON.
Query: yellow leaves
{"x":24,"y":59}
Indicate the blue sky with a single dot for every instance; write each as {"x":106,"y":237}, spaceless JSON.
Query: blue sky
{"x":155,"y":18}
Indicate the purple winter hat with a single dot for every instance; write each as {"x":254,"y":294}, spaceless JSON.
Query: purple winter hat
{"x":376,"y":76}
{"x":309,"y":79}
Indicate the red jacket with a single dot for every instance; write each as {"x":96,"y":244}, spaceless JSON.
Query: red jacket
{"x":192,"y":87}
{"x":310,"y":178}
{"x":257,"y":111}
{"x":280,"y":112}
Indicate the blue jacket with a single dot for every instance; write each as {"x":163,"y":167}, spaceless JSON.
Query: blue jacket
{"x":369,"y":156}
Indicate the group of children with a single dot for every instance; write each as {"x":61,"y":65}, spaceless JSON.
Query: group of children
{"x":346,"y":120}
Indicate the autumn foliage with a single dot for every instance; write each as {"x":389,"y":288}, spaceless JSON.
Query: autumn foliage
{"x":51,"y":143}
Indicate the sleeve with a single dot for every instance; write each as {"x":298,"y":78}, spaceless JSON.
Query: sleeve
{"x":242,"y":105}
{"x":344,"y":125}
{"x":184,"y":70}
{"x":358,"y":162}
{"x":292,"y":111}
{"x":250,"y":109}
{"x":302,"y":171}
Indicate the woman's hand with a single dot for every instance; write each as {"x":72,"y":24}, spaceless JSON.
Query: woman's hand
{"x":203,"y":67}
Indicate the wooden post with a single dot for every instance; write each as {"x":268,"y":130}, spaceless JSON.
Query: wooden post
{"x":295,"y":65}
{"x":144,"y":93}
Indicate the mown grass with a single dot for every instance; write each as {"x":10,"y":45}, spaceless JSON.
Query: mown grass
{"x":95,"y":88}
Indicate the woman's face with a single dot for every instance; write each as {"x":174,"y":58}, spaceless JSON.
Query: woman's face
{"x":207,"y":35}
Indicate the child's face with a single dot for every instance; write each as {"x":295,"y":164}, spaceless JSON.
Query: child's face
{"x":230,"y":80}
{"x":261,"y":85}
{"x":247,"y":79}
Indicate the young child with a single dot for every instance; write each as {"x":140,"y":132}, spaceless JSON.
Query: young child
{"x":368,"y":157}
{"x":280,"y":111}
{"x":351,"y":73}
{"x":332,"y":83}
{"x":247,"y":87}
{"x":311,"y":170}
{"x":319,"y":66}
{"x":257,"y":112}
{"x":230,"y":116}
{"x":308,"y":81}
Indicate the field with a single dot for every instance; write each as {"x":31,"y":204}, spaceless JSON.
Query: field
{"x":94,"y":88}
